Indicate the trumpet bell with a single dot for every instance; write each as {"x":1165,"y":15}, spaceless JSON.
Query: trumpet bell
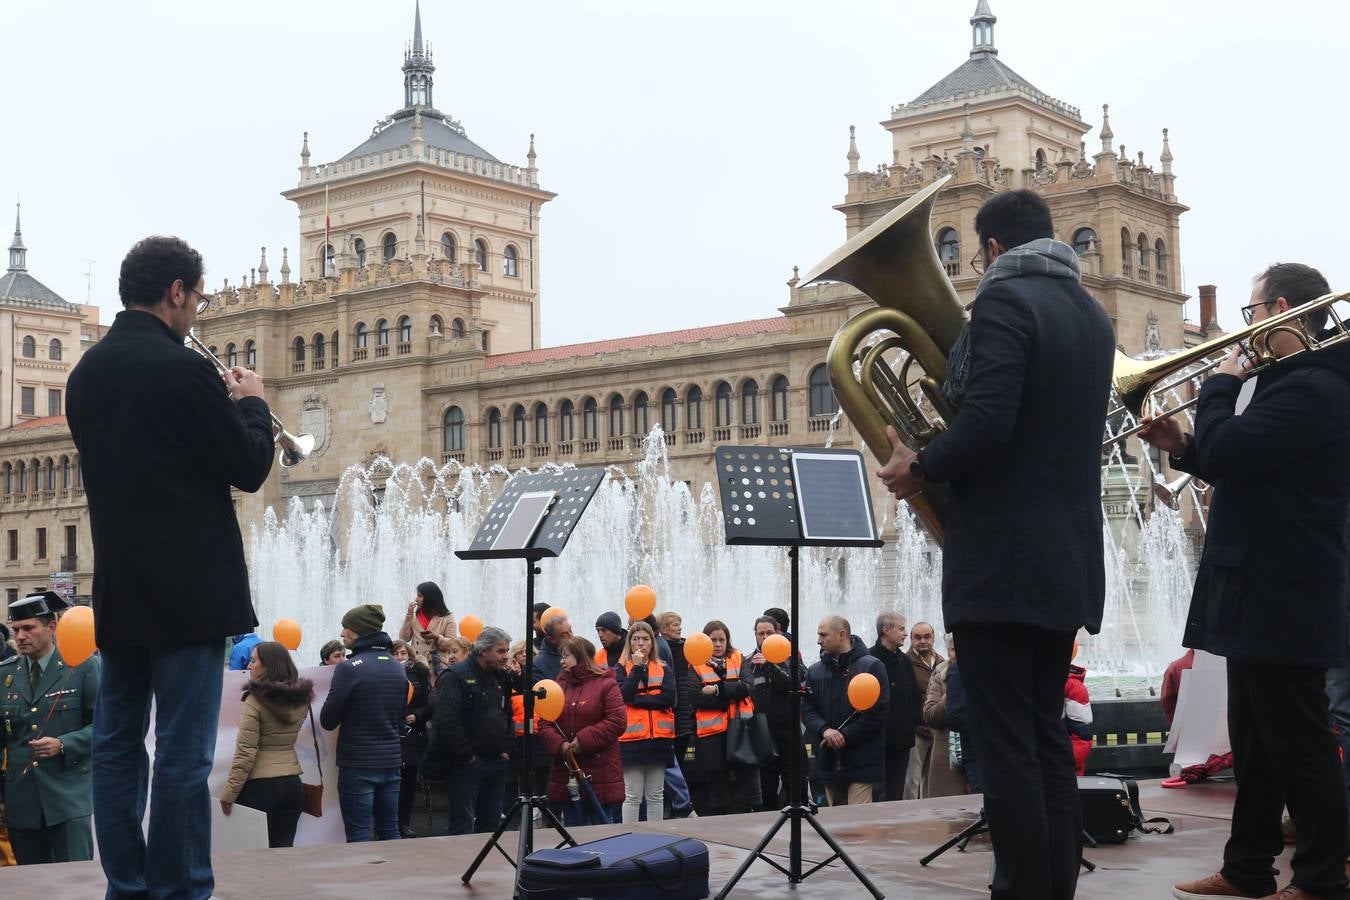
{"x":294,"y":448}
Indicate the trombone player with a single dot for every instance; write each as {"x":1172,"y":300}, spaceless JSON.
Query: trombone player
{"x":1270,"y":592}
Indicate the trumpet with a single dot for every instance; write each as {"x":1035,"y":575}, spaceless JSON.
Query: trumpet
{"x":1168,"y":493}
{"x":294,"y":447}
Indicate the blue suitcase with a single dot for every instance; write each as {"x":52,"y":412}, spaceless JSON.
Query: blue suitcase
{"x":623,"y":867}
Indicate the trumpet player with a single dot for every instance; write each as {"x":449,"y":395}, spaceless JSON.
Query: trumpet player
{"x":1274,"y":563}
{"x":1022,"y":566}
{"x":162,"y":439}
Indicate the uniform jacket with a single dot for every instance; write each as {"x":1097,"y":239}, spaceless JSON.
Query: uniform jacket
{"x":268,"y":727}
{"x":59,"y":789}
{"x":366,"y":699}
{"x":161,"y":444}
{"x":594,"y":714}
{"x":905,"y":712}
{"x":1022,"y":455}
{"x":825,"y":705}
{"x":1271,"y":584}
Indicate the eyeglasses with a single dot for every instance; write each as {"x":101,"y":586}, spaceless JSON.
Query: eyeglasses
{"x":204,"y":302}
{"x":1250,"y":310}
{"x":977,"y":262}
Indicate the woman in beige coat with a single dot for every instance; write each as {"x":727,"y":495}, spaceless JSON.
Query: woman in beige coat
{"x":265,"y":774}
{"x":428,"y":627}
{"x":943,"y":780}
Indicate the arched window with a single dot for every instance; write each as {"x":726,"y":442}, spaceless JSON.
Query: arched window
{"x":480,"y":254}
{"x":510,"y":262}
{"x":487,"y":341}
{"x":23,"y":478}
{"x":494,"y":429}
{"x":318,"y":344}
{"x":457,"y":328}
{"x":404,"y":330}
{"x":566,"y":426}
{"x":616,"y":416}
{"x":382,"y":333}
{"x":251,"y":353}
{"x":1040,"y":159}
{"x":1084,"y":241}
{"x":359,"y":246}
{"x":949,"y":250}
{"x":49,"y":473}
{"x":1159,"y":254}
{"x":65,"y":473}
{"x":823,"y":402}
{"x":642,"y":418}
{"x":1144,"y":249}
{"x":326,"y":255}
{"x":590,"y":424}
{"x":448,"y":246}
{"x":362,"y":337}
{"x":231,"y":355}
{"x":333,"y":349}
{"x":693,"y":407}
{"x":54,"y":349}
{"x":1126,"y":246}
{"x":518,"y":426}
{"x":750,"y":402}
{"x":540,"y":424}
{"x":778,"y":397}
{"x":453,"y":426}
{"x":298,"y":345}
{"x":668,"y":410}
{"x":29,"y":347}
{"x":7,"y":474}
{"x":722,"y":405}
{"x":390,"y":245}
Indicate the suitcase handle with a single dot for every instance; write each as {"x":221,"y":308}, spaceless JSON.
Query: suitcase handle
{"x":647,"y":870}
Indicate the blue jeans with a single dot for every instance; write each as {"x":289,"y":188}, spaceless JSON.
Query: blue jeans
{"x":574,"y":815}
{"x":1338,"y":699}
{"x":677,"y":787}
{"x":475,"y":797}
{"x":369,"y":796}
{"x":185,"y":683}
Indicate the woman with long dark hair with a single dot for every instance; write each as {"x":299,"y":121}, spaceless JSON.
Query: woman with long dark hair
{"x":265,"y":774}
{"x":720,"y":691}
{"x":428,"y":626}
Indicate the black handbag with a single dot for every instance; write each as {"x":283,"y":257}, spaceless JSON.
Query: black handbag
{"x":749,"y":743}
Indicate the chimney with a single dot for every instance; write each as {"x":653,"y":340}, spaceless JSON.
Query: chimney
{"x":1209,"y":308}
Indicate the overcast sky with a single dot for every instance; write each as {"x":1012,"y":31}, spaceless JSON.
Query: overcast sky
{"x":696,"y":147}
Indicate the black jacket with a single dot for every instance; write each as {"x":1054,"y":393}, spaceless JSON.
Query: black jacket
{"x":825,"y":705}
{"x":684,"y":704}
{"x":1271,"y":585}
{"x":1023,"y":460}
{"x":473,"y":716}
{"x":771,"y":690}
{"x":161,"y":443}
{"x":905,"y":712}
{"x":367,"y":700}
{"x":420,"y":708}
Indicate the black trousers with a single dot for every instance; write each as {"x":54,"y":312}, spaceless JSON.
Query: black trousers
{"x":893,"y":786}
{"x":1014,"y":679}
{"x":68,"y":842}
{"x":1284,"y":754}
{"x":282,"y":799}
{"x":407,"y":794}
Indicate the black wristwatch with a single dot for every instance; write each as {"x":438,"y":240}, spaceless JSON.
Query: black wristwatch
{"x":916,"y":469}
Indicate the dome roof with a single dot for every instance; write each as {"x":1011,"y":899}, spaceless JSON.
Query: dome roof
{"x":437,"y":131}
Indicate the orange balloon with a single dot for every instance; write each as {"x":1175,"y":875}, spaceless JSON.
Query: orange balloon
{"x":698,"y":648}
{"x":1075,"y":651}
{"x":553,"y":612}
{"x":776,"y":648}
{"x":470,"y":627}
{"x":863,"y":691}
{"x":75,"y":635}
{"x":640,"y":601}
{"x":410,"y":692}
{"x":550,"y":705}
{"x":287,"y":633}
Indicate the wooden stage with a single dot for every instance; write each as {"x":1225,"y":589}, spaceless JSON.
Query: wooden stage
{"x":885,"y":839}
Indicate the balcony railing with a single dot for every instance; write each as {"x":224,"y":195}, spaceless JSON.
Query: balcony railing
{"x":318,"y":364}
{"x":750,"y":432}
{"x":517,"y":453}
{"x":590,"y":445}
{"x":494,"y":454}
{"x":359,"y":353}
{"x":819,"y":423}
{"x":404,"y":348}
{"x":298,"y":366}
{"x":540,"y":451}
{"x":669,"y":438}
{"x":778,"y":429}
{"x":953,"y":268}
{"x":721,"y":434}
{"x":614,"y":443}
{"x":694,"y":436}
{"x":381,"y":351}
{"x":565,"y":448}
{"x":1160,"y":278}
{"x":49,"y":494}
{"x":452,"y":456}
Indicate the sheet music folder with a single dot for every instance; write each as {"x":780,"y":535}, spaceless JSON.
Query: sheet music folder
{"x":535,"y":515}
{"x":795,"y":496}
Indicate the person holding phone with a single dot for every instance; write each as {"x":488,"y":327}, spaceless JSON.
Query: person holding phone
{"x":428,"y":626}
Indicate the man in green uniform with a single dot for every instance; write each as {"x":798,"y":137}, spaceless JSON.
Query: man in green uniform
{"x":47,"y":715}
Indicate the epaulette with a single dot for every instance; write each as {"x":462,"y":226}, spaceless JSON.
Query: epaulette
{"x":13,"y":660}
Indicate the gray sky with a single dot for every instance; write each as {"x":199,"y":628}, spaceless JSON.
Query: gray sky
{"x":696,"y":148}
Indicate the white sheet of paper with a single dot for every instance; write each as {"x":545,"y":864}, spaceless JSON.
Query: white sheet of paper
{"x":1200,"y":726}
{"x":242,"y":829}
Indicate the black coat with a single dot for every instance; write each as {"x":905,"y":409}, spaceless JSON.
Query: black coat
{"x":160,"y":444}
{"x":1271,"y":585}
{"x":420,"y":707}
{"x":1023,"y":460}
{"x":905,"y":712}
{"x":825,"y":705}
{"x":771,"y":692}
{"x":684,"y":703}
{"x":367,"y":700}
{"x":473,"y":716}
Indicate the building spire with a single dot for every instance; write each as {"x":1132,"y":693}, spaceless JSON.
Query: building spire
{"x":982,"y":30}
{"x":18,"y":253}
{"x":852,"y":151}
{"x":1166,"y":157}
{"x":417,"y":28}
{"x":1107,"y":134}
{"x":417,"y":68}
{"x":967,"y":132}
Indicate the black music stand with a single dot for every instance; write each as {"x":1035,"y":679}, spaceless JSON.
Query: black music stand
{"x":794,"y":498}
{"x":531,"y":520}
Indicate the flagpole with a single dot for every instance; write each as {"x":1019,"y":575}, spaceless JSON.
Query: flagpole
{"x":323,"y":254}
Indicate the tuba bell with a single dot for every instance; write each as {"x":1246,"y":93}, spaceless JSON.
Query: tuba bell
{"x":894,"y":262}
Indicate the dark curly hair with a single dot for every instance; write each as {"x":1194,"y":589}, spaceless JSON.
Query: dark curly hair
{"x":151,"y":268}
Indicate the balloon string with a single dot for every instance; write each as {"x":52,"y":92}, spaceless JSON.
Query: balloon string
{"x":32,"y":763}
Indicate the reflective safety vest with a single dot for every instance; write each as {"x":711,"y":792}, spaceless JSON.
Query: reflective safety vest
{"x":518,"y":713}
{"x":602,"y":658}
{"x":646,"y":724}
{"x":708,"y":722}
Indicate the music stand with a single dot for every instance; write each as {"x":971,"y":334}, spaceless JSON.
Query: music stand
{"x":795,"y":497}
{"x":532,"y":519}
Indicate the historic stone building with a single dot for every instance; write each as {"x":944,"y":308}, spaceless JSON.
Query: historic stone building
{"x":413,"y":328}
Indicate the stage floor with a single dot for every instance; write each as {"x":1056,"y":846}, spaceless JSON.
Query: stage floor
{"x":885,"y":839}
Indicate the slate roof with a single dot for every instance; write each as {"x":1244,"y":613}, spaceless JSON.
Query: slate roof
{"x":981,"y":72}
{"x":18,"y":285}
{"x":435,"y":132}
{"x":640,"y":342}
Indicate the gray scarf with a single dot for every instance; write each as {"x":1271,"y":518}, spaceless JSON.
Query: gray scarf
{"x":1044,"y":256}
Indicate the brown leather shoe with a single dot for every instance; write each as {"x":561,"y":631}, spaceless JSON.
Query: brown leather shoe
{"x":1215,"y":887}
{"x":1289,"y":892}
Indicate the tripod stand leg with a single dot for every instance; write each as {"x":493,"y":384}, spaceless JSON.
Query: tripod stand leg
{"x":753,"y":855}
{"x":844,"y":858}
{"x":962,"y":838}
{"x":518,"y":805}
{"x":552,"y":820}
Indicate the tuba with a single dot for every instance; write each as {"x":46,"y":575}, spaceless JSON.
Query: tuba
{"x":894,"y":262}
